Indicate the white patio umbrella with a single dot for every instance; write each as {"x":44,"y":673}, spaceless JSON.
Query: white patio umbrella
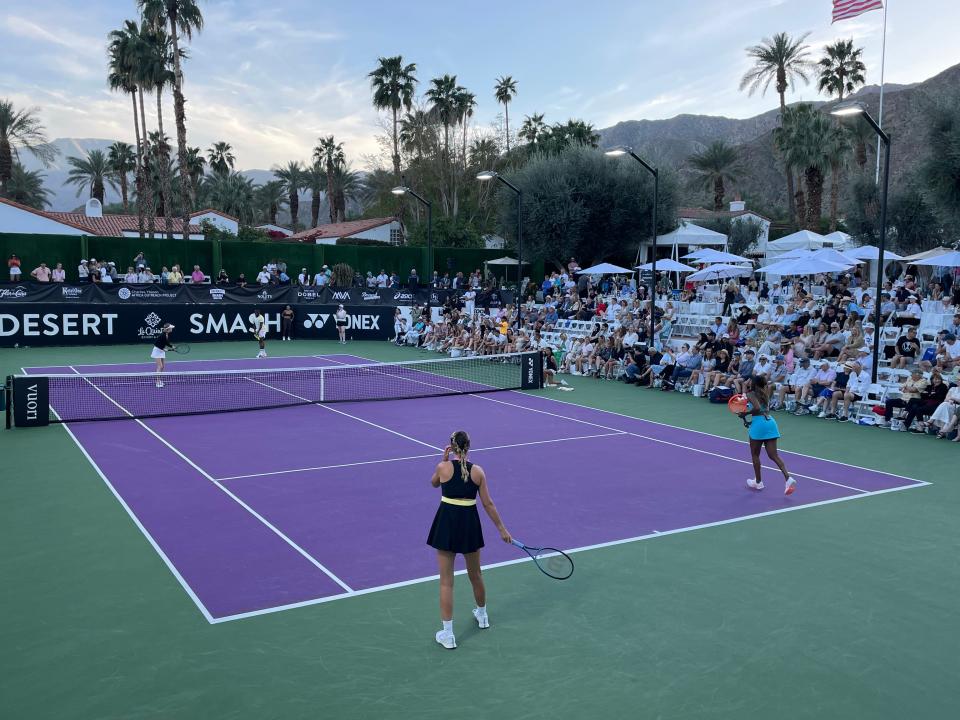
{"x":800,"y":239}
{"x":504,"y":261}
{"x":605,"y":269}
{"x":695,"y":255}
{"x":835,"y":256}
{"x":795,"y":253}
{"x":947,"y":259}
{"x":802,"y":266}
{"x":871,"y":252}
{"x":709,"y":255}
{"x":910,"y":259}
{"x":836,"y":239}
{"x":667,"y":265}
{"x":719,"y":271}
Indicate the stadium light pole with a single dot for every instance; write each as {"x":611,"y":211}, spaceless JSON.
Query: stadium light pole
{"x":404,"y":190}
{"x":620,"y":151}
{"x":485,"y":176}
{"x":849,"y":110}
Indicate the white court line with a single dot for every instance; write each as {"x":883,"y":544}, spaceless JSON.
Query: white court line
{"x":136,"y":521}
{"x":713,"y":435}
{"x":586,"y":548}
{"x":312,"y":560}
{"x":346,"y":414}
{"x":668,"y":442}
{"x":414,"y":457}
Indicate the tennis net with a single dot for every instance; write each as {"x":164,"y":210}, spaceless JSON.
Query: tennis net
{"x":85,"y":397}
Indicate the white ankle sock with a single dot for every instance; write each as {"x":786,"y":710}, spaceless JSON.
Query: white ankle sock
{"x":447,"y":625}
{"x":482,"y":608}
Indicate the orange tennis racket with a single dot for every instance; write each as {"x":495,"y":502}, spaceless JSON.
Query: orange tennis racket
{"x":737,"y":404}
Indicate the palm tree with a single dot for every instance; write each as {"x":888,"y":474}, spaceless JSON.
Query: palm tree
{"x":443,"y":105}
{"x":270,"y":198}
{"x":194,"y":169}
{"x":504,"y":91}
{"x":347,"y":185}
{"x":465,"y":102}
{"x":91,"y":172}
{"x":393,"y":85}
{"x":315,"y":177}
{"x":533,"y":127}
{"x":782,"y":59}
{"x":484,"y":153}
{"x":233,"y":194}
{"x":156,"y":70}
{"x":220,"y":157}
{"x":122,"y":160}
{"x":810,"y":143}
{"x":292,"y":178}
{"x":21,"y":130}
{"x":716,"y":165}
{"x":841,"y":72}
{"x":124,"y":48}
{"x":182,"y":16}
{"x":329,"y":153}
{"x":581,"y":133}
{"x":26,"y":187}
{"x":416,"y":133}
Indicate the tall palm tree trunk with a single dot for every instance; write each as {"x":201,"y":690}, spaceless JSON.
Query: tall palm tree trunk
{"x":166,"y":192}
{"x":719,"y":191}
{"x":187,"y":192}
{"x":396,"y":147}
{"x":814,"y":181}
{"x":331,"y":200}
{"x":147,"y":180}
{"x":6,"y":163}
{"x":294,"y":201}
{"x":314,"y":206}
{"x":791,"y":193}
{"x":834,"y":194}
{"x":801,"y":206}
{"x":138,"y":174}
{"x":506,"y":114}
{"x":274,"y":209}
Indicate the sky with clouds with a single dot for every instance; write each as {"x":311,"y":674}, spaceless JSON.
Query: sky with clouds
{"x":270,"y":78}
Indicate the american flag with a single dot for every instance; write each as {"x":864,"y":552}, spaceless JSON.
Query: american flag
{"x":844,"y":9}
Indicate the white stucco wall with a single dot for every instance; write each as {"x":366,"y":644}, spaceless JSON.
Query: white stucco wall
{"x":230,"y":226}
{"x":15,"y":220}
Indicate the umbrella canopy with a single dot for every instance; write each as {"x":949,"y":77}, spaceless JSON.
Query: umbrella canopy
{"x":690,"y":234}
{"x":836,"y":239}
{"x":802,"y":266}
{"x":871,"y":252}
{"x":695,"y":255}
{"x":947,"y":259}
{"x":927,"y":254}
{"x":794,"y":254}
{"x":667,"y":265}
{"x":709,"y":255}
{"x":719,"y":271}
{"x":800,"y":239}
{"x":504,"y":261}
{"x":605,"y":269}
{"x":835,"y":256}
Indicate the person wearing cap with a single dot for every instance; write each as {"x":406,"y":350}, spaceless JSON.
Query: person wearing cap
{"x":159,"y":352}
{"x":741,"y":382}
{"x":822,"y":379}
{"x":795,"y":382}
{"x":948,"y":353}
{"x":341,"y":317}
{"x":83,"y":273}
{"x":832,"y":393}
{"x":910,"y":315}
{"x":263,"y":277}
{"x":858,"y":384}
{"x":907,"y":349}
{"x":719,"y":371}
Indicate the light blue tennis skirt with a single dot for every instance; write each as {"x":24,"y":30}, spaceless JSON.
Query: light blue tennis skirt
{"x":762,"y":428}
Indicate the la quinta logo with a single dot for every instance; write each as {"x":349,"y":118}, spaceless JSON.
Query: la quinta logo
{"x":315,"y":320}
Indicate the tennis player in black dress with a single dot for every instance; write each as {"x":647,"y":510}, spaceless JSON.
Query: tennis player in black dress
{"x":456,"y":529}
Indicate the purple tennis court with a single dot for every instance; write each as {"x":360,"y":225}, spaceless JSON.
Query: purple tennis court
{"x":265,"y":510}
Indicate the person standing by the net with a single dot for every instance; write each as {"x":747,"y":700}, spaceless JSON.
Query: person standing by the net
{"x":341,"y":318}
{"x":159,"y":351}
{"x":286,"y":322}
{"x":764,"y":433}
{"x":456,"y":529}
{"x":259,"y":331}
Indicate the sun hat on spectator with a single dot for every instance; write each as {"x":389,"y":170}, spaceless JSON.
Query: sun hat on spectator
{"x":749,"y":351}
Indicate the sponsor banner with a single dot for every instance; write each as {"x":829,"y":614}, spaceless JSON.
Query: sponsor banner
{"x":31,"y":401}
{"x":150,"y":294}
{"x":55,"y":324}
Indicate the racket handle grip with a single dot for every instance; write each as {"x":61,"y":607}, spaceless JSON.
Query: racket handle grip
{"x":518,"y":544}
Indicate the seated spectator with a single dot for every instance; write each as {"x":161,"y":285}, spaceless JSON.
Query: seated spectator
{"x":197,"y":275}
{"x":146,"y":276}
{"x":241,"y":280}
{"x":41,"y":274}
{"x":948,"y":353}
{"x":131,"y":276}
{"x":887,"y":307}
{"x":223,"y":278}
{"x":910,"y":392}
{"x":944,"y":418}
{"x":707,"y":365}
{"x":930,"y":399}
{"x":175,"y":277}
{"x":910,"y":315}
{"x":741,"y":382}
{"x":858,"y":382}
{"x":13,"y":265}
{"x":832,"y":343}
{"x":720,"y":369}
{"x":59,"y":274}
{"x":821,"y":380}
{"x":907,"y":349}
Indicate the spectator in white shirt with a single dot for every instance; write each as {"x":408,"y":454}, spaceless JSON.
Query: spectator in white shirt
{"x":857,"y":385}
{"x":382,"y":279}
{"x":105,"y":275}
{"x":131,"y":276}
{"x":948,"y":354}
{"x":263,"y":277}
{"x":795,"y":383}
{"x":146,"y":276}
{"x":82,"y":272}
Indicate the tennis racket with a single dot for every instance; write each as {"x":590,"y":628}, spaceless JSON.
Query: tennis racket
{"x":551,"y":562}
{"x":182,"y":348}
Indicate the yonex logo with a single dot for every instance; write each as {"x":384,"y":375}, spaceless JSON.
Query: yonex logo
{"x":123,"y":293}
{"x":152,"y":320}
{"x":315,"y":320}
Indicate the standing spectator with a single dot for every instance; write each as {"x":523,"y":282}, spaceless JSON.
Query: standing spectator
{"x":82,"y":272}
{"x":413,"y":282}
{"x":263,"y":277}
{"x":303,"y":279}
{"x":13,"y":264}
{"x":175,"y":277}
{"x":131,"y":276}
{"x":164,"y":275}
{"x":197,"y":275}
{"x":106,"y":276}
{"x":140,"y":261}
{"x":283,"y":278}
{"x":41,"y":274}
{"x":382,"y":279}
{"x":59,"y":274}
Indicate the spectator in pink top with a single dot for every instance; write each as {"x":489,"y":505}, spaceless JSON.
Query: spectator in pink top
{"x":197,"y":275}
{"x":59,"y":274}
{"x":42,"y":273}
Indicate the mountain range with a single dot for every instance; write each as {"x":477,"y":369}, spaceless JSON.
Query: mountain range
{"x":668,"y":143}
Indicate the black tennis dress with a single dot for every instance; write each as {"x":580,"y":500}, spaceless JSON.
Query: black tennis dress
{"x":456,"y":526}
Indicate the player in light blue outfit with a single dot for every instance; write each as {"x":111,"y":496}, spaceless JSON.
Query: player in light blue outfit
{"x":763,"y":433}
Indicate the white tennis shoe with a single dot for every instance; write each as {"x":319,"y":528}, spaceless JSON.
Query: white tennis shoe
{"x":754,"y":485}
{"x":790,"y":486}
{"x":446,"y":638}
{"x":482,"y":620}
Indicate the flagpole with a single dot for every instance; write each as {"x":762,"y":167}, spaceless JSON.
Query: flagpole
{"x":883,"y":63}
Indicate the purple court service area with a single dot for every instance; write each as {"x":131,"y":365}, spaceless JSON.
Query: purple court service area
{"x":265,"y":510}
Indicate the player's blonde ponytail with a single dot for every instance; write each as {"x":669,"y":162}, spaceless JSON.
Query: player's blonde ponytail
{"x":461,"y":445}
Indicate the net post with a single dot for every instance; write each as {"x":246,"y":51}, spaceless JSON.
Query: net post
{"x":8,"y":401}
{"x":322,"y":388}
{"x":531,"y":371}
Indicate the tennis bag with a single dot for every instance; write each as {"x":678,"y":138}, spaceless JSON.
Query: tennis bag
{"x":721,"y":394}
